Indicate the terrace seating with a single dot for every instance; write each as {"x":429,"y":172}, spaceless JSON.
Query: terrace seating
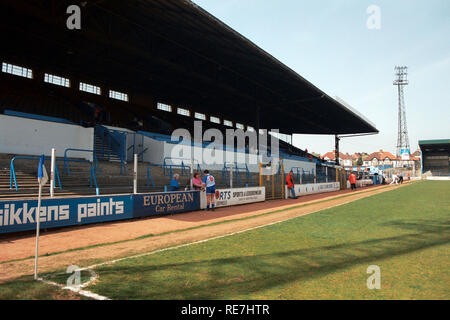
{"x":108,"y":177}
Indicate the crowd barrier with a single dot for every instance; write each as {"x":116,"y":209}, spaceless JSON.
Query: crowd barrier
{"x":304,"y":189}
{"x":361,"y":183}
{"x":19,"y":215}
{"x":154,"y":204}
{"x":438,"y":178}
{"x":235,"y":196}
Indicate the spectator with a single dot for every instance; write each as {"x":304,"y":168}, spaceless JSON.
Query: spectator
{"x":352,"y":180}
{"x":209,"y":184}
{"x":174,"y":184}
{"x":96,"y":115}
{"x":290,"y":184}
{"x":394,"y":179}
{"x":197,"y":181}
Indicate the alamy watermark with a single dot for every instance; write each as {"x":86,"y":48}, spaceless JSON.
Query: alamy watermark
{"x":374,"y":281}
{"x":237,"y":147}
{"x":74,"y":280}
{"x":73,"y":22}
{"x":374,"y":20}
{"x":75,"y":276}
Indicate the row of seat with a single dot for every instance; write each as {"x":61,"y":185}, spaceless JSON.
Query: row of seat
{"x":109,"y":179}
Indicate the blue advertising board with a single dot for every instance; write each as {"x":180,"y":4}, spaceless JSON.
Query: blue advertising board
{"x":154,"y":204}
{"x":20,"y":215}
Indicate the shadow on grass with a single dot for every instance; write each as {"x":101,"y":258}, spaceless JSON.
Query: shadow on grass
{"x":243,"y":275}
{"x":26,"y":288}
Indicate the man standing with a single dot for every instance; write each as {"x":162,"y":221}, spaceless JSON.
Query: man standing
{"x":290,"y":184}
{"x":352,"y":180}
{"x":394,"y":179}
{"x":209,"y":183}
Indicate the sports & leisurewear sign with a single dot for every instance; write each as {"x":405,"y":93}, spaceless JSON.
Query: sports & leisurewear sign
{"x":311,"y":188}
{"x":236,"y":196}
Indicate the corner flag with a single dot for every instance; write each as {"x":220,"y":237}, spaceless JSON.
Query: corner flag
{"x":42,"y":178}
{"x":42,"y":172}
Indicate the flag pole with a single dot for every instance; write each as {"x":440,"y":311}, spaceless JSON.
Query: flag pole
{"x":135,"y":169}
{"x":52,"y":174}
{"x":38,"y":210}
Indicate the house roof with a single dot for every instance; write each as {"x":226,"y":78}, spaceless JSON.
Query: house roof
{"x":331,"y":155}
{"x":381,"y":155}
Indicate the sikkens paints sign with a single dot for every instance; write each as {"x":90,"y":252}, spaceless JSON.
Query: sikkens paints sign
{"x":165,"y":203}
{"x":236,"y":196}
{"x":60,"y":212}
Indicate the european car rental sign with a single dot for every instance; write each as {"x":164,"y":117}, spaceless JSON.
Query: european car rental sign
{"x":163,"y":203}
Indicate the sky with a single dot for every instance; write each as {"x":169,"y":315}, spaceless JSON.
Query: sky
{"x":328,"y":42}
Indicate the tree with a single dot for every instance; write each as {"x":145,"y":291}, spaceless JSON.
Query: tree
{"x":359,"y":162}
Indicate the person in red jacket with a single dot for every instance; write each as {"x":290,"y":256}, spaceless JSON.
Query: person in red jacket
{"x":352,"y":180}
{"x":290,"y":184}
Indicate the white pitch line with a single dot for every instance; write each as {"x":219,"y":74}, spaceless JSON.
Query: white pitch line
{"x":79,"y":288}
{"x":89,"y":294}
{"x":206,"y":240}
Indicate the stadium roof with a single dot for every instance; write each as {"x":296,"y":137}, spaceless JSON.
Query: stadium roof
{"x":178,"y":53}
{"x":430,"y":146}
{"x":431,"y":142}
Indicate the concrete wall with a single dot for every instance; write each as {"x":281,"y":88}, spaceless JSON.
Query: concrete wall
{"x":155,"y":150}
{"x":158,"y":150}
{"x":35,"y":137}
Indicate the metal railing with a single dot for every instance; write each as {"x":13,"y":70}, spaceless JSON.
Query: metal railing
{"x":149,"y":173}
{"x":12,"y":174}
{"x":185,"y":169}
{"x":168,"y":169}
{"x":67,"y":160}
{"x":93,"y":165}
{"x":92,"y":178}
{"x":115,"y":142}
{"x":302,"y":176}
{"x":237,"y":170}
{"x":136,"y":147}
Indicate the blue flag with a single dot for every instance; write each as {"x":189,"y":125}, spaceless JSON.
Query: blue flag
{"x":42,"y":173}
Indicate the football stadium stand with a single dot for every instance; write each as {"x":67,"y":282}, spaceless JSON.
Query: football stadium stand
{"x":135,"y":72}
{"x":435,"y":157}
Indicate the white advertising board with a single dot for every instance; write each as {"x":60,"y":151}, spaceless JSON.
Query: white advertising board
{"x":361,"y":183}
{"x":235,"y":196}
{"x":303,"y":189}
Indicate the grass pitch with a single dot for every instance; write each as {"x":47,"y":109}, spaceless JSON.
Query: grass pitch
{"x":325,"y":255}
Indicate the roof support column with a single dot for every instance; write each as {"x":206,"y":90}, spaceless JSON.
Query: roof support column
{"x":336,"y":148}
{"x":258,"y":125}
